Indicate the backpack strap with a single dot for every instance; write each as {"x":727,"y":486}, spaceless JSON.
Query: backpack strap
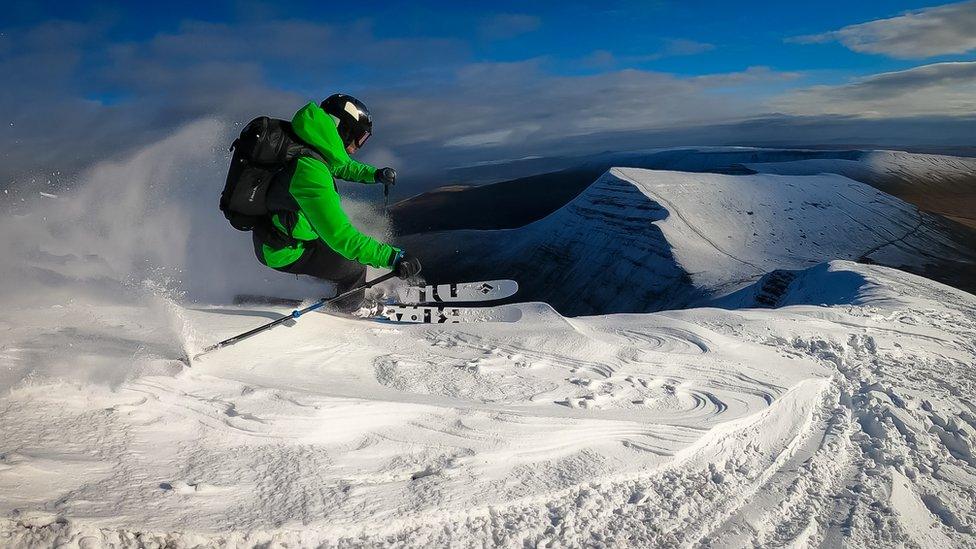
{"x":310,"y":151}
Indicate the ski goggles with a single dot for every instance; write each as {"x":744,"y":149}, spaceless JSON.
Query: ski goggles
{"x":361,"y":140}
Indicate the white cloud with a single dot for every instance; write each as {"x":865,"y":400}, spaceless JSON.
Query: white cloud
{"x":605,"y":59}
{"x":80,"y":98}
{"x":941,"y":30}
{"x":946,"y":89}
{"x":488,"y":138}
{"x":526,"y":106}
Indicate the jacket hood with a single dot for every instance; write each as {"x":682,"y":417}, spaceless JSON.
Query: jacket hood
{"x":315,"y":127}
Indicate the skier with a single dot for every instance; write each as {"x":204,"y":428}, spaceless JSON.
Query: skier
{"x":307,"y":232}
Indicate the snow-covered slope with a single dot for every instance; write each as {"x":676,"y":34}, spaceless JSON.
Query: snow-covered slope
{"x":842,"y":417}
{"x":806,"y":424}
{"x":943,"y":184}
{"x":898,"y":169}
{"x":940,"y":184}
{"x":643,"y":240}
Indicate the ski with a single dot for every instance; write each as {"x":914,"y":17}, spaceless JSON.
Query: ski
{"x":463,"y":292}
{"x":421,"y":314}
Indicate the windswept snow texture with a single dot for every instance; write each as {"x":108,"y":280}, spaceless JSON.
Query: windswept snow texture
{"x":820,"y":404}
{"x":642,"y":240}
{"x":849,"y":424}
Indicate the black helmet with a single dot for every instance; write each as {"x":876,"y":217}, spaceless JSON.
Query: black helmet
{"x":355,"y":124}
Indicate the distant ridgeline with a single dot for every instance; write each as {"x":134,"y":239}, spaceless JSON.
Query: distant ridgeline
{"x":640,"y":240}
{"x":944,"y":185}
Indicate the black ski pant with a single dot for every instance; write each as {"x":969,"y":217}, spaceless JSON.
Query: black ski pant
{"x":321,"y":261}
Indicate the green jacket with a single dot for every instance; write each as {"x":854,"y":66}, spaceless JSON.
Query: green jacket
{"x":306,"y":201}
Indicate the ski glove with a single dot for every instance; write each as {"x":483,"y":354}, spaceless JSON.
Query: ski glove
{"x":406,"y":266}
{"x":386,"y":176}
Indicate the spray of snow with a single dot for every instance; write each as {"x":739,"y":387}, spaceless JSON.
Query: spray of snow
{"x":135,"y":233}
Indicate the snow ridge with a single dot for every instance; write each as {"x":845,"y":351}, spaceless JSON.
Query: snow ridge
{"x":643,"y":240}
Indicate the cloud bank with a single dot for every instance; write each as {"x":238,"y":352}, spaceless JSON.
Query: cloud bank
{"x":942,"y":30}
{"x":78,"y":93}
{"x":944,"y":89}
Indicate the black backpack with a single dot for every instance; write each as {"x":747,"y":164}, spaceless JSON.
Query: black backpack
{"x":265,"y":147}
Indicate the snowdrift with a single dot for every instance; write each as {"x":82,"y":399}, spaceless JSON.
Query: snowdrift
{"x":805,"y":425}
{"x":641,"y":240}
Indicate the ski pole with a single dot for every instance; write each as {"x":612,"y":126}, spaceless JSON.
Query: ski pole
{"x":294,"y":314}
{"x":386,"y":199}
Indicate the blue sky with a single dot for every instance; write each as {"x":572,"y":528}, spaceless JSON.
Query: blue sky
{"x":744,"y":34}
{"x":453,"y":82}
